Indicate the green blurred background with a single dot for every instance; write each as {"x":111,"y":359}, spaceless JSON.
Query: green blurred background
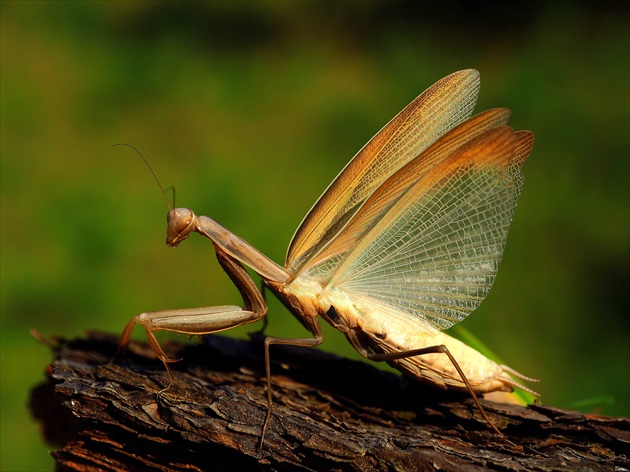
{"x":250,"y":109}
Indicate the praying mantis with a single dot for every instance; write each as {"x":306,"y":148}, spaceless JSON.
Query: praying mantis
{"x":404,"y":243}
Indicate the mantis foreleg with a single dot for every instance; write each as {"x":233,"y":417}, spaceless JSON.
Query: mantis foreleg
{"x":203,"y":320}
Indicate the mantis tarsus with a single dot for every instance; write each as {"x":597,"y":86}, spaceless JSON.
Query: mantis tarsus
{"x":404,"y":243}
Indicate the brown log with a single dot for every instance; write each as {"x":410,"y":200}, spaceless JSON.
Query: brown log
{"x":329,"y":414}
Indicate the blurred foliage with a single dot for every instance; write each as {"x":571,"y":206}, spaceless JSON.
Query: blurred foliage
{"x":251,"y":109}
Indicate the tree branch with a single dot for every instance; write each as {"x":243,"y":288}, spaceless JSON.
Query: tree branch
{"x":329,"y":414}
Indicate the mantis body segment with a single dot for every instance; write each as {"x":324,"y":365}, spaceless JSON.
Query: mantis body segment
{"x":403,"y":244}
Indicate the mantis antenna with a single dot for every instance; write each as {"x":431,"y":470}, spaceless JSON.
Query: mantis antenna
{"x":152,"y":173}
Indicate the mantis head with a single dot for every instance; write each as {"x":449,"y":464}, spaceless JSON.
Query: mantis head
{"x":181,"y":222}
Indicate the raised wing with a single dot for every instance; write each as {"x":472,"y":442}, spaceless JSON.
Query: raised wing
{"x":436,"y":251}
{"x":437,"y":110}
{"x":381,"y":201}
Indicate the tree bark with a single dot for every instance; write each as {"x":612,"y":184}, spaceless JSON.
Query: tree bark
{"x":329,"y":413}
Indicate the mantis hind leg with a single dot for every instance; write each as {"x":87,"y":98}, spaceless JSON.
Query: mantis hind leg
{"x":357,"y":342}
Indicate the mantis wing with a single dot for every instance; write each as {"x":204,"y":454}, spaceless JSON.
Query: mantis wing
{"x":436,"y":251}
{"x":381,"y":201}
{"x":437,"y":110}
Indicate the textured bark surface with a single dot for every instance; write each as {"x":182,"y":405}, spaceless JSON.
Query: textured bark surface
{"x":329,"y":414}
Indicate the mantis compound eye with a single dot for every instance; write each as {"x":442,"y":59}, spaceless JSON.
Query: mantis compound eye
{"x":182,"y":225}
